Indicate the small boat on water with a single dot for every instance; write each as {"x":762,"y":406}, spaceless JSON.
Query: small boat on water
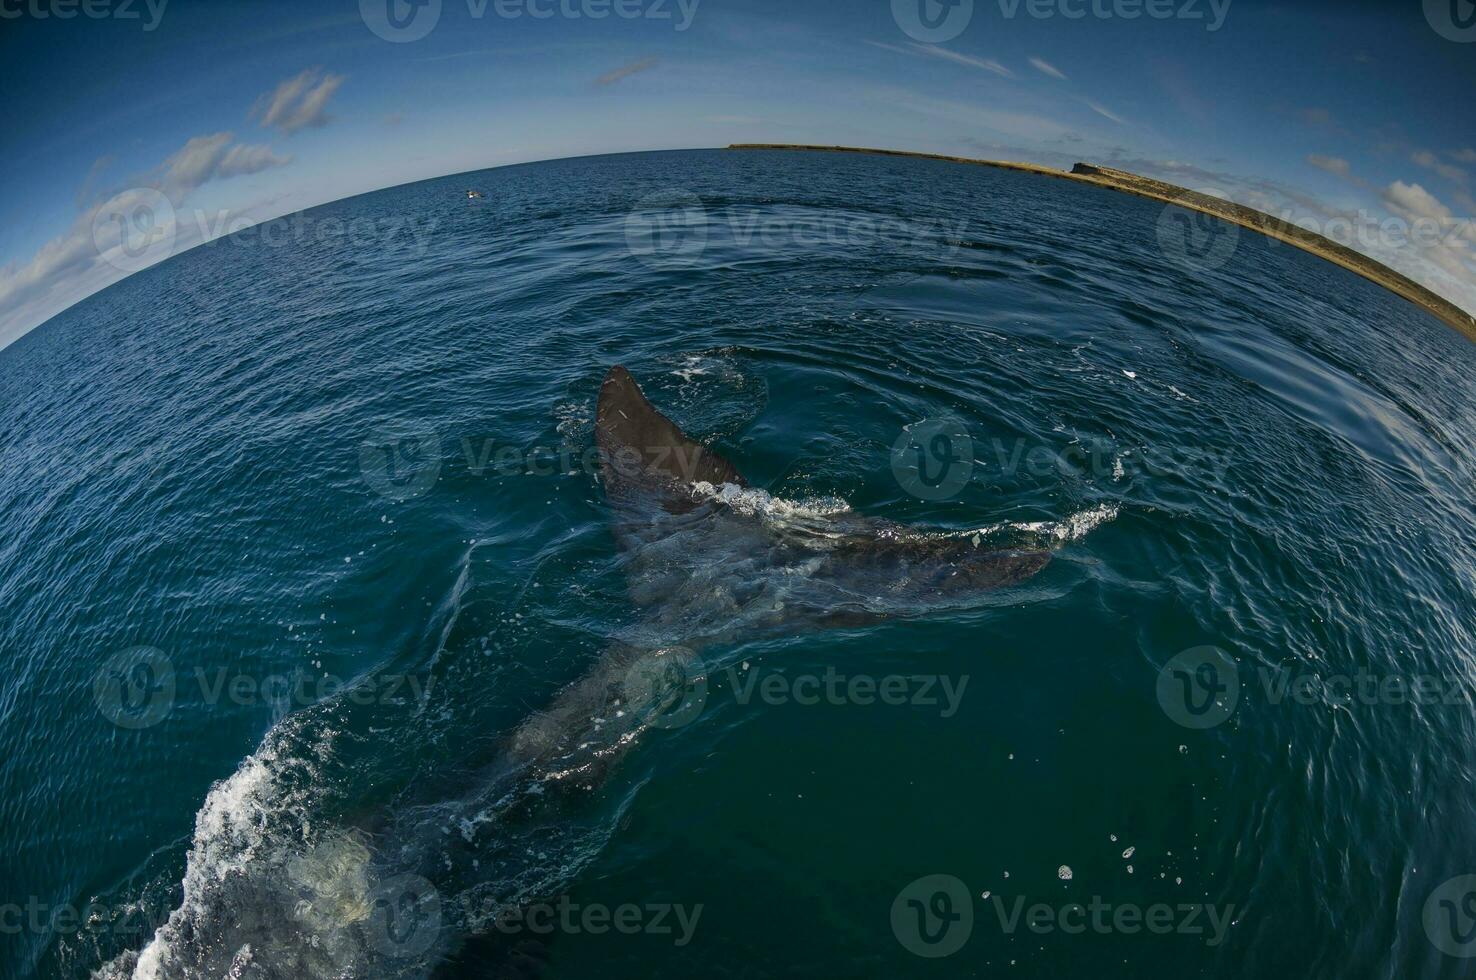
{"x":473,"y":194}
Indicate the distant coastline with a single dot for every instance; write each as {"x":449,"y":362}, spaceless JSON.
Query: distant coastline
{"x":1157,"y":190}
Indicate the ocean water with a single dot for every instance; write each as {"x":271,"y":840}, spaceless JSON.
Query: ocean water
{"x":300,"y":536}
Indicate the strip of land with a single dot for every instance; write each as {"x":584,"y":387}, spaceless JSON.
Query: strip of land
{"x":1157,"y":190}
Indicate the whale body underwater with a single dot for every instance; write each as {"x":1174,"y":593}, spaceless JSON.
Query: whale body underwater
{"x":708,"y":559}
{"x":711,"y":563}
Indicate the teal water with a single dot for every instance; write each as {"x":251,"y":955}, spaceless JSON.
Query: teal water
{"x":348,"y":464}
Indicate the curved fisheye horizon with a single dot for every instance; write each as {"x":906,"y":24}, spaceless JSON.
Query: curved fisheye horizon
{"x":642,"y":489}
{"x":284,"y":112}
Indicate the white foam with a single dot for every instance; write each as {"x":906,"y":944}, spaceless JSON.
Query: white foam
{"x":694,"y":366}
{"x":760,"y":503}
{"x":1072,"y":528}
{"x":232,"y":828}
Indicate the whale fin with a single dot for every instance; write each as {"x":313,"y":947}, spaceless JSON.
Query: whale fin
{"x":642,"y":449}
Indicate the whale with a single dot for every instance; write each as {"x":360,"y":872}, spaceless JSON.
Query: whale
{"x":710,"y":562}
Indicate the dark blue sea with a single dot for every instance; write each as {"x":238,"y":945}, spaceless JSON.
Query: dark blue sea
{"x":302,"y":533}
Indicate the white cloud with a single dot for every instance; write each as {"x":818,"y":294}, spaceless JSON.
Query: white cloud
{"x":1045,"y":66}
{"x":1412,"y":201}
{"x":74,"y":264}
{"x":1430,"y":161}
{"x":206,"y":158}
{"x":298,"y":103}
{"x":243,"y":159}
{"x":1333,"y":165}
{"x":1438,"y":238}
{"x":1436,"y":252}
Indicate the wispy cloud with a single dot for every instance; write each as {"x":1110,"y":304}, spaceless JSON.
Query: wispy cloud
{"x":1104,"y":111}
{"x":1041,"y":64}
{"x":206,"y":158}
{"x":915,"y":49}
{"x":1464,"y":155}
{"x":984,"y":64}
{"x":1449,"y":171}
{"x":301,"y":102}
{"x":94,"y":173}
{"x":625,"y":71}
{"x":1333,"y":165}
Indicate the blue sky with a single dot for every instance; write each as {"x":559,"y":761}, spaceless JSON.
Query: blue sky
{"x":1352,"y":110}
